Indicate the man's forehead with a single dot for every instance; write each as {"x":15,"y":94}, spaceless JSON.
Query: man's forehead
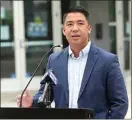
{"x":75,"y":16}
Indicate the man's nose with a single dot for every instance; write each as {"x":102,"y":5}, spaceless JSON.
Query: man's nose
{"x":75,"y":28}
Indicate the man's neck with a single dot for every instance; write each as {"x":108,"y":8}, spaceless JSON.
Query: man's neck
{"x":76,"y":49}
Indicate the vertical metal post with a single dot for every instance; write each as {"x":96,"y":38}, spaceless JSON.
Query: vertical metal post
{"x":120,"y":33}
{"x":56,"y":23}
{"x":129,"y":11}
{"x":19,"y":39}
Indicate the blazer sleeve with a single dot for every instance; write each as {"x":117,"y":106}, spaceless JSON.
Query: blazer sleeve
{"x":40,"y":91}
{"x":116,"y":91}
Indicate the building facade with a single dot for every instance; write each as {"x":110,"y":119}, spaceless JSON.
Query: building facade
{"x":30,"y":28}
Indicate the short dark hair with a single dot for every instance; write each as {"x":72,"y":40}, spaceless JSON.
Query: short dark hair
{"x":77,"y":9}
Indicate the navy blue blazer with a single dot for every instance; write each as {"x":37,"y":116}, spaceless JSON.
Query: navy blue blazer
{"x":103,"y":88}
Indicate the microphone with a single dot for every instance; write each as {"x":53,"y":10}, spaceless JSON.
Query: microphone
{"x":49,"y":79}
{"x":36,"y":71}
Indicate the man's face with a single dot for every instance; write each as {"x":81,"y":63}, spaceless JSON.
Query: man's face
{"x":76,"y":29}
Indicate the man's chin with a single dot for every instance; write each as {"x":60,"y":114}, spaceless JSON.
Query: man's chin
{"x":76,"y":39}
{"x":76,"y":43}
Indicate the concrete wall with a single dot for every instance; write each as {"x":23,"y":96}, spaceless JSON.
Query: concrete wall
{"x":99,"y":14}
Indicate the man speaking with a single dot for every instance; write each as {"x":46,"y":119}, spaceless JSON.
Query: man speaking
{"x":88,"y":76}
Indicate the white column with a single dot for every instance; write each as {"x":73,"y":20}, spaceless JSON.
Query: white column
{"x":56,"y":23}
{"x":19,"y":38}
{"x":129,"y":11}
{"x":120,"y":33}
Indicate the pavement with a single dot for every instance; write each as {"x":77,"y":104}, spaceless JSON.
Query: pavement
{"x":9,"y":99}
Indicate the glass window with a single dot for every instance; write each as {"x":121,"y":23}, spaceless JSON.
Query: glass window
{"x":73,"y":3}
{"x":6,"y":38}
{"x":6,"y":21}
{"x":112,"y":16}
{"x":38,"y":23}
{"x":126,"y":20}
{"x":38,"y":33}
{"x":126,"y":34}
{"x":112,"y":30}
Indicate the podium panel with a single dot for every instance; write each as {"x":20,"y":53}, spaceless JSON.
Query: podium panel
{"x":45,"y":113}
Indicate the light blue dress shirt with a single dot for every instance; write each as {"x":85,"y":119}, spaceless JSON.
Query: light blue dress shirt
{"x":76,"y":67}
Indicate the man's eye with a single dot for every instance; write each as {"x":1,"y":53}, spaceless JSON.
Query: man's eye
{"x":69,"y":24}
{"x":80,"y":23}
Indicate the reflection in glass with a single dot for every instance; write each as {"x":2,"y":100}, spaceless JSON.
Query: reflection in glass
{"x":112,"y":13}
{"x":34,"y":55}
{"x":112,"y":36}
{"x":6,"y":38}
{"x":38,"y":30}
{"x":38,"y":20}
{"x":126,"y":34}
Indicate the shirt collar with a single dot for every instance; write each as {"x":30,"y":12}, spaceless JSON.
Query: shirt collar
{"x":83,"y":53}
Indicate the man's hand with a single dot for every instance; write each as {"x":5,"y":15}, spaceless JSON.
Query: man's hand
{"x":27,"y":100}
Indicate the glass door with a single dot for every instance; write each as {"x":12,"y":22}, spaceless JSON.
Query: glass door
{"x":12,"y":52}
{"x":38,"y":34}
{"x":26,"y":35}
{"x":7,"y":62}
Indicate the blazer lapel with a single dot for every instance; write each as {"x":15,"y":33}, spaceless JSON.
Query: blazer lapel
{"x":92,"y":58}
{"x":64,"y":71}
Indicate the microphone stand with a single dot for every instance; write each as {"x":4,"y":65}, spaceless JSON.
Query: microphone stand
{"x":44,"y":99}
{"x":48,"y":97}
{"x":35,"y":72}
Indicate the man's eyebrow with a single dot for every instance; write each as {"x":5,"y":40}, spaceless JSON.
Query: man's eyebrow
{"x":80,"y":21}
{"x":69,"y":21}
{"x":73,"y":21}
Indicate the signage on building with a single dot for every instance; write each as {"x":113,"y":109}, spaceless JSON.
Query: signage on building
{"x":37,"y":29}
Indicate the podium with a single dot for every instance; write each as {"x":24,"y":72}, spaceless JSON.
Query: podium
{"x":45,"y":113}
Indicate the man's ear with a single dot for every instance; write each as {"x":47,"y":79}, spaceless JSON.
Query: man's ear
{"x":63,"y":30}
{"x":89,"y":29}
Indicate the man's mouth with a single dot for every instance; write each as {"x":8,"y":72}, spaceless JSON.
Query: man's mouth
{"x":75,"y":36}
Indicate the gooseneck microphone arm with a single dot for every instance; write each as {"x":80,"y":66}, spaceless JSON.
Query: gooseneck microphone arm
{"x":35,"y":72}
